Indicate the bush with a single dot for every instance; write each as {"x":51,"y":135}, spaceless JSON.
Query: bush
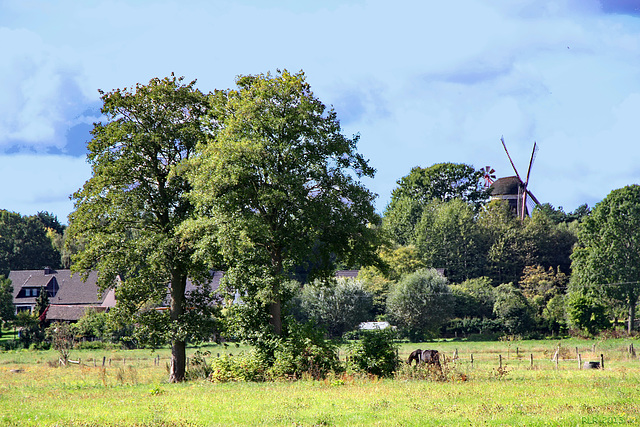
{"x":376,"y":353}
{"x":473,"y":326}
{"x":338,"y":305}
{"x":421,"y":303}
{"x":245,"y":367}
{"x":304,"y":352}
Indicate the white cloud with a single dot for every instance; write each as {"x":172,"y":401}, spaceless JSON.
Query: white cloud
{"x":41,"y":183}
{"x":423,"y":82}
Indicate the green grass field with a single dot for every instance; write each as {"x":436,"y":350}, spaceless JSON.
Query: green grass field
{"x":132,"y":390}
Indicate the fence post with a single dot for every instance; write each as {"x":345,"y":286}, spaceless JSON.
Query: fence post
{"x":104,"y":359}
{"x":500,"y":358}
{"x":471,"y":360}
{"x":531,"y":360}
{"x":579,"y":361}
{"x":601,"y":361}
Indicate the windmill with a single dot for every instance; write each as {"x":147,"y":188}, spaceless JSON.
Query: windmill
{"x":488,"y":174}
{"x":523,"y":189}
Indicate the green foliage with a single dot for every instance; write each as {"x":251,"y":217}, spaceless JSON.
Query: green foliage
{"x":447,"y":237}
{"x":198,"y":368}
{"x":24,"y":244}
{"x":42,"y":302}
{"x":544,"y":290}
{"x":512,"y":309}
{"x":7,"y":310}
{"x":337,"y":305}
{"x":375,"y":353}
{"x":61,"y":335}
{"x":420,"y":303}
{"x":474,"y":326}
{"x":128,"y":215}
{"x":304,"y":352}
{"x":276,"y":180}
{"x":244,"y":367}
{"x":396,"y":262}
{"x":474,"y":298}
{"x":607,"y":255}
{"x":441,"y":182}
{"x":29,"y":329}
{"x":586,"y":312}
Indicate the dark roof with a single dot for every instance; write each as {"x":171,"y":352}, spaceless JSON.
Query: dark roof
{"x":214,"y":284}
{"x":73,"y":290}
{"x":69,"y":288}
{"x":69,"y":313}
{"x":29,"y":279}
{"x":509,"y":185}
{"x":350,"y":274}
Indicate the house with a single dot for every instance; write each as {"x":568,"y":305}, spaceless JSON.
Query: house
{"x":69,"y":295}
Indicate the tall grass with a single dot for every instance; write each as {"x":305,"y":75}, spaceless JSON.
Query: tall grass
{"x":134,"y":391}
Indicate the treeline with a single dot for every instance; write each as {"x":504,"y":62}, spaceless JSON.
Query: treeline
{"x":496,"y":273}
{"x":260,"y":182}
{"x":31,"y":242}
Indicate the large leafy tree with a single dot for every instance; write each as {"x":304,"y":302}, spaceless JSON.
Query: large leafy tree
{"x":442,"y":182}
{"x":24,"y":244}
{"x":607,"y":256}
{"x":278,"y":181}
{"x":447,"y":237}
{"x":127,"y":215}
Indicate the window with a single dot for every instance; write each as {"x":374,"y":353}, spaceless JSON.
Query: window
{"x":27,"y":292}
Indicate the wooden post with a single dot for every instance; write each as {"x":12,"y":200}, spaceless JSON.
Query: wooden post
{"x":517,"y":353}
{"x":455,"y":355}
{"x":601,"y":361}
{"x":124,"y":361}
{"x":472,"y":360}
{"x":557,"y":361}
{"x":579,"y":361}
{"x":104,"y":359}
{"x":531,"y":360}
{"x":500,"y":358}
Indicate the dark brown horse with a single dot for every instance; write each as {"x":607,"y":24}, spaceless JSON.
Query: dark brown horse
{"x":430,"y":357}
{"x":415,"y":355}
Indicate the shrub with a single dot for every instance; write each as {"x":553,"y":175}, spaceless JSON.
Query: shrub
{"x":337,"y":305}
{"x":376,"y":353}
{"x":245,"y":367}
{"x":304,"y":352}
{"x":421,"y":303}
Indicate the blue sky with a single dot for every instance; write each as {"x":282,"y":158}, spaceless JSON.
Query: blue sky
{"x":422,"y":82}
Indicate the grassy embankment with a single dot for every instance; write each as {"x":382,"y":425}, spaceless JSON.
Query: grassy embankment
{"x":132,"y":391}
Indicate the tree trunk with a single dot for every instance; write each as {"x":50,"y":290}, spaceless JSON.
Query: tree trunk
{"x":275,"y":309}
{"x":178,"y":361}
{"x":632,"y":312}
{"x":178,"y":347}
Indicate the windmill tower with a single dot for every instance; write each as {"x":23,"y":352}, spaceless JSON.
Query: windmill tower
{"x":513,"y":189}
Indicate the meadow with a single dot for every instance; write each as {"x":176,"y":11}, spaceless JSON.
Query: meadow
{"x":529,"y":388}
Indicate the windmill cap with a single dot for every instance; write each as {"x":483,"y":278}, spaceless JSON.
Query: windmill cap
{"x":506,"y":185}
